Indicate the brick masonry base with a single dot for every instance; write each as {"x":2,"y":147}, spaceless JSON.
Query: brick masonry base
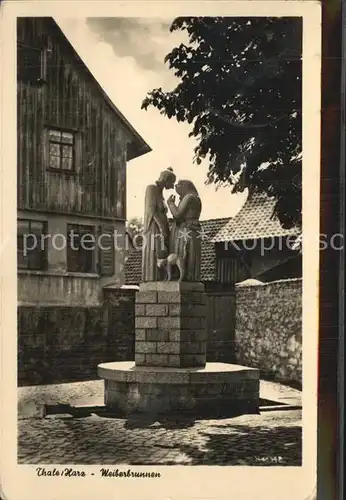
{"x":170,"y":324}
{"x":216,"y":389}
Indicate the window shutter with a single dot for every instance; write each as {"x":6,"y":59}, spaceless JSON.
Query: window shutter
{"x":106,"y":243}
{"x":30,"y":65}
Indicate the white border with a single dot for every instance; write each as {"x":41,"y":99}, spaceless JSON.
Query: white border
{"x":177,"y":482}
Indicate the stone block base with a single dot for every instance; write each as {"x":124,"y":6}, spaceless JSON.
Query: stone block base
{"x":170,"y":324}
{"x":217,"y":389}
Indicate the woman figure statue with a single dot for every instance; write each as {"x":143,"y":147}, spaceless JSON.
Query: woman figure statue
{"x":155,"y":227}
{"x":184,"y":238}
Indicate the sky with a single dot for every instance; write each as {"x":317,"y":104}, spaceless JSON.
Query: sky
{"x":126,"y":56}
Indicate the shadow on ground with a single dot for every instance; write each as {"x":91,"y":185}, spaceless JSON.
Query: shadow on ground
{"x":132,"y":421}
{"x":73,"y":435}
{"x":147,"y":420}
{"x":251,"y":445}
{"x":254,"y":446}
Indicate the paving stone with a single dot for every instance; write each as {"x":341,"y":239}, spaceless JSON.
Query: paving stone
{"x":156,"y":359}
{"x":156,"y":335}
{"x":145,"y":347}
{"x":168,"y":347}
{"x":168,"y":323}
{"x":156,"y":310}
{"x":168,"y":297}
{"x":140,"y":309}
{"x":269,"y":439}
{"x":173,"y":360}
{"x":187,"y":360}
{"x":146,"y":297}
{"x":174,"y":309}
{"x":146,"y":322}
{"x":139,"y":359}
{"x":174,"y":335}
{"x":141,"y":334}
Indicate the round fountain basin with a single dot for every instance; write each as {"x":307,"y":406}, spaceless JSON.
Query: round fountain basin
{"x":216,"y":389}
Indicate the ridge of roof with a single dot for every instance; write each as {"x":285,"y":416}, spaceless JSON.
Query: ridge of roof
{"x":139,"y":145}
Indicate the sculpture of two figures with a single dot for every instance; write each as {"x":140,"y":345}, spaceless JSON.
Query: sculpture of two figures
{"x":168,"y":246}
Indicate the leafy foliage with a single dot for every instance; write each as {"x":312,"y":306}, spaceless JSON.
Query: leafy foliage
{"x":134,"y":227}
{"x":240,"y":89}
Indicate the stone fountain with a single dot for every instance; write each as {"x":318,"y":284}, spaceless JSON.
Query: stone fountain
{"x":170,"y":373}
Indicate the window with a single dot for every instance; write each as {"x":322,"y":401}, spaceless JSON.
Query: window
{"x":31,"y":64}
{"x":61,"y":150}
{"x":81,"y":248}
{"x":31,"y":246}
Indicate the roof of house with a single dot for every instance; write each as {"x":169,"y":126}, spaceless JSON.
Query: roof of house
{"x":254,"y":220}
{"x":133,"y":265}
{"x":137,"y":145}
{"x":210,"y":228}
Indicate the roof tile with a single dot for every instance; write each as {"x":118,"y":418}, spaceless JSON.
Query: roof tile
{"x":254,"y":220}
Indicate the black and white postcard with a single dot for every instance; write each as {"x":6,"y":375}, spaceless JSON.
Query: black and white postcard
{"x":160,"y":238}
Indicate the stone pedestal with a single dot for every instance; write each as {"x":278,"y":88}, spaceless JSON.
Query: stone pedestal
{"x":170,"y":324}
{"x":170,"y":373}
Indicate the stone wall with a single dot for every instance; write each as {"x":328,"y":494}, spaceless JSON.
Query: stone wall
{"x":268,"y":333}
{"x":60,"y":343}
{"x":37,"y":288}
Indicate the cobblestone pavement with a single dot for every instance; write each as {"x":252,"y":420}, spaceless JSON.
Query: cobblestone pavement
{"x":89,"y":435}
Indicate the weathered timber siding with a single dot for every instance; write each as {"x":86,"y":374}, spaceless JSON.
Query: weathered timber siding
{"x":65,"y":344}
{"x":70,"y":100}
{"x":268,"y":333}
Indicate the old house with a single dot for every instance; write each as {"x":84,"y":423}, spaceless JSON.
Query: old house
{"x":73,"y":148}
{"x":262,"y":248}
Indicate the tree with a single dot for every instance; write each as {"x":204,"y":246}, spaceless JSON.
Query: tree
{"x":240,"y":89}
{"x":134,"y":228}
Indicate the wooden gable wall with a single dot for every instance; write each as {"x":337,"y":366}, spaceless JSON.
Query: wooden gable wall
{"x":69,"y":98}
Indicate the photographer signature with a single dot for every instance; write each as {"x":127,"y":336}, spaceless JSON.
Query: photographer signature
{"x":276,"y":459}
